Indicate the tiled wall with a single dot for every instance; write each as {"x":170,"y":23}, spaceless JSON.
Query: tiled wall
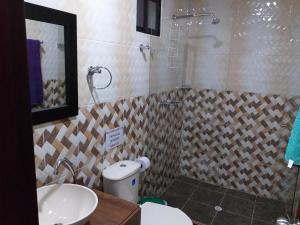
{"x":167,"y":64}
{"x":107,"y":36}
{"x":81,"y":140}
{"x":54,"y":94}
{"x":231,"y":139}
{"x":149,"y":129}
{"x":162,"y":143}
{"x":238,"y":140}
{"x":244,"y":73}
{"x":52,"y":56}
{"x":255,"y":48}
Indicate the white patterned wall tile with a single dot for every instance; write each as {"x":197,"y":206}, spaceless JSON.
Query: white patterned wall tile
{"x":260,"y":74}
{"x":52,"y":58}
{"x":295,"y":27}
{"x":201,"y":73}
{"x":129,"y":70}
{"x":224,"y":9}
{"x":208,"y":38}
{"x":260,"y":37}
{"x":63,"y":5}
{"x":109,"y":21}
{"x":169,"y":8}
{"x":263,"y":27}
{"x":168,"y":61}
{"x":294,"y":76}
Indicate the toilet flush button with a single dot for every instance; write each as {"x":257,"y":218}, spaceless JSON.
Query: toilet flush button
{"x":123,"y":165}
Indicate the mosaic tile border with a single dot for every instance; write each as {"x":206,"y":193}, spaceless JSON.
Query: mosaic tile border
{"x":237,"y":140}
{"x":84,"y":136}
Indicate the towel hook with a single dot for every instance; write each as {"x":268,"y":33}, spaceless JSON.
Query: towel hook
{"x":144,"y":47}
{"x":94,"y":70}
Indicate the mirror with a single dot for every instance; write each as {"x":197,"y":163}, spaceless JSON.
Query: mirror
{"x":52,"y":63}
{"x":46,"y":62}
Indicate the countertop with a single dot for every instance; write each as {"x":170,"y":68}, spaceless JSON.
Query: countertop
{"x":114,"y":211}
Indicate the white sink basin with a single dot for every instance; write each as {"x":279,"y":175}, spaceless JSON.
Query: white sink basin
{"x":65,"y":204}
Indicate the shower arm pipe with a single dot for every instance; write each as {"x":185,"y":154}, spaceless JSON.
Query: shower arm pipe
{"x":175,"y":17}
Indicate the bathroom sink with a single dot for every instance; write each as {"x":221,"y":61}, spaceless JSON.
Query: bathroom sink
{"x":65,"y":204}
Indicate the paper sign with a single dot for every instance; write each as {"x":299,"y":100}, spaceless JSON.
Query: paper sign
{"x":114,"y":138}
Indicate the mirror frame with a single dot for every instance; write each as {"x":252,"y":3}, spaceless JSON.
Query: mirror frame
{"x":68,"y":21}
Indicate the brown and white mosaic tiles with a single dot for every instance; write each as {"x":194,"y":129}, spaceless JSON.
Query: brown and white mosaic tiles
{"x":53,"y":94}
{"x":119,"y":51}
{"x":238,"y":141}
{"x":81,"y":140}
{"x":162,"y":144}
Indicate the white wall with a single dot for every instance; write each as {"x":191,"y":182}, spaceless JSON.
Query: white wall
{"x":52,"y":57}
{"x":107,"y":37}
{"x":167,"y":66}
{"x":255,"y":48}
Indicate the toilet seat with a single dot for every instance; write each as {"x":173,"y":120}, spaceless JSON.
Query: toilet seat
{"x":155,"y":214}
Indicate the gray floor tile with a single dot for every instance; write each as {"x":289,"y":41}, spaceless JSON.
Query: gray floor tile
{"x":182,"y":189}
{"x":198,"y":200}
{"x":188,"y":180}
{"x":268,"y":210}
{"x":174,"y":200}
{"x":240,"y":194}
{"x":207,"y":197}
{"x":199,"y":212}
{"x":238,"y":206}
{"x":211,"y":187}
{"x":225,"y":218}
{"x":257,"y":222}
{"x":269,"y":201}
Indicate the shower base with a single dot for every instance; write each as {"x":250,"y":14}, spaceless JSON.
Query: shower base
{"x":215,"y":205}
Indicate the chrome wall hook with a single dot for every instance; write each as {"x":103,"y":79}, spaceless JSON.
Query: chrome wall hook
{"x":89,"y":77}
{"x":144,"y":47}
{"x":97,"y":70}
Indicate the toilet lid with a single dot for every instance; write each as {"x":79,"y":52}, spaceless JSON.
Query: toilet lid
{"x":163,"y":215}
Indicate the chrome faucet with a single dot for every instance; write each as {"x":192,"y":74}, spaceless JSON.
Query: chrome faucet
{"x":68,"y":165}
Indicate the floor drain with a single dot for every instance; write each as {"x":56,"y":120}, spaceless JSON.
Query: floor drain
{"x":218,"y":208}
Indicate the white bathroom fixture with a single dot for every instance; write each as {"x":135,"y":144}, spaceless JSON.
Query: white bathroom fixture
{"x":65,"y":204}
{"x":163,"y":215}
{"x":122,"y":180}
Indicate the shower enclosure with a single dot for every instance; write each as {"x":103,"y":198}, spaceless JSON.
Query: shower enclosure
{"x":225,"y":84}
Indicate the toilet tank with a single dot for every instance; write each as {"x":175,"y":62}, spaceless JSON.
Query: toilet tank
{"x":122,"y":180}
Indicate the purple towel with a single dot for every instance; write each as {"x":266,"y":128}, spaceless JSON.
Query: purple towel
{"x":35,"y":71}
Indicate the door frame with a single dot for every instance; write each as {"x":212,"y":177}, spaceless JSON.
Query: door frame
{"x":18,"y":200}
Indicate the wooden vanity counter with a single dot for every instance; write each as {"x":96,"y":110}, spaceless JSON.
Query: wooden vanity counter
{"x":115,"y":211}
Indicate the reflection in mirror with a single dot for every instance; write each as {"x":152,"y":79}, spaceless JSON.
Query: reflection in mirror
{"x":46,"y":62}
{"x":52,"y":63}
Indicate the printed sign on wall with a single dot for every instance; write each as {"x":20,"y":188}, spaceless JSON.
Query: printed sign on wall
{"x":114,"y":137}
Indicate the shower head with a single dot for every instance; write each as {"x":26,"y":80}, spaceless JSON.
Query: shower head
{"x":215,"y":20}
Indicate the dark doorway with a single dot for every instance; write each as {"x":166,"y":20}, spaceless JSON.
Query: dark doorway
{"x":18,"y":205}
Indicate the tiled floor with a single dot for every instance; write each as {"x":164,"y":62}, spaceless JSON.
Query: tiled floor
{"x":198,"y":201}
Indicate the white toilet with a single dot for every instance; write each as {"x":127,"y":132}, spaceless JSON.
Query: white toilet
{"x":122,"y":179}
